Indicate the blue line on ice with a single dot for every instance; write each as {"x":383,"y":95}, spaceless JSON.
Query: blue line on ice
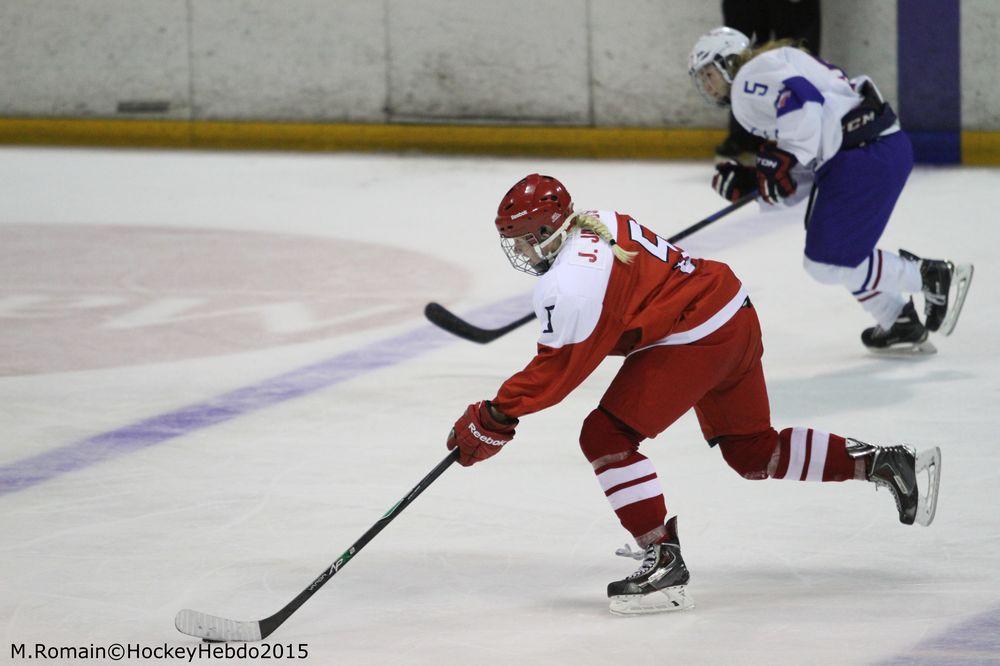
{"x":28,"y":472}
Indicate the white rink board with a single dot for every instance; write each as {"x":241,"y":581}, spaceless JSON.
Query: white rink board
{"x":502,"y":563}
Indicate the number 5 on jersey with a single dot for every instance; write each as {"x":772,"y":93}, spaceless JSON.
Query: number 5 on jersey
{"x":661,"y":248}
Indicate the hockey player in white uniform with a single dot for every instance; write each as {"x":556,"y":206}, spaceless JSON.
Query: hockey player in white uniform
{"x":812,"y":115}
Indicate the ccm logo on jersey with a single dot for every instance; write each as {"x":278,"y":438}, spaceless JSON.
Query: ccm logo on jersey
{"x":483,"y":438}
{"x":859,"y":122}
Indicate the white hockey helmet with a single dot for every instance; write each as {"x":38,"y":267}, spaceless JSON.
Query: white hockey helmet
{"x":716,"y":48}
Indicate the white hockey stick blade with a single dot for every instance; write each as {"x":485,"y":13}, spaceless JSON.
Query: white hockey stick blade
{"x":665,"y":600}
{"x":217,"y":629}
{"x":960,"y":281}
{"x":928,"y":461}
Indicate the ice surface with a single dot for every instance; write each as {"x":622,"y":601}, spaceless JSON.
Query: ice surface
{"x":216,"y":377}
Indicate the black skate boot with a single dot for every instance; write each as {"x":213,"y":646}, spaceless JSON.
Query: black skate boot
{"x":944,"y":285}
{"x":892,"y":467}
{"x":659,"y":584}
{"x":897,"y":468}
{"x":906,"y":336}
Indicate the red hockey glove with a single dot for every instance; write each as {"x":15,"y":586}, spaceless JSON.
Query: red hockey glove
{"x":732,"y":180}
{"x":478,"y":435}
{"x":774,"y":178}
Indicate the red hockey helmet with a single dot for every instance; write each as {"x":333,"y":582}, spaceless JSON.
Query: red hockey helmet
{"x":533,"y":220}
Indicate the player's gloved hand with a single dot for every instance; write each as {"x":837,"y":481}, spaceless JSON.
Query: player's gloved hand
{"x":774,"y":178}
{"x":732,"y":180}
{"x":478,"y":435}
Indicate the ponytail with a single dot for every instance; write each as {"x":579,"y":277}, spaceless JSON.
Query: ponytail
{"x":735,"y":62}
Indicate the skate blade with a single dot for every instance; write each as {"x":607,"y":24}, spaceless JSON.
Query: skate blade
{"x":662,"y":601}
{"x":905,"y":350}
{"x":960,"y":281}
{"x":928,"y":461}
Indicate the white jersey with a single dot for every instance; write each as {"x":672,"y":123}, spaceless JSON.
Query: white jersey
{"x":578,"y":280}
{"x":788,"y":96}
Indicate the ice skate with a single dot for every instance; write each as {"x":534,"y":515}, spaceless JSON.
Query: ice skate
{"x":899,"y":469}
{"x":906,"y":337}
{"x":945,"y":286}
{"x":659,"y":585}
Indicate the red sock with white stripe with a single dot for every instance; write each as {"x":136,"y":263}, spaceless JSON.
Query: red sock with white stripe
{"x":805,"y":454}
{"x":635,"y":494}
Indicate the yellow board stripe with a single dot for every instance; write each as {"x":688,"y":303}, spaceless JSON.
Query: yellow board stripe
{"x":465,"y":139}
{"x":981,"y":148}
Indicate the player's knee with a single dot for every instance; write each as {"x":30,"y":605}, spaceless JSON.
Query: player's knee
{"x":603,"y":435}
{"x":825,"y":273}
{"x":750,"y":455}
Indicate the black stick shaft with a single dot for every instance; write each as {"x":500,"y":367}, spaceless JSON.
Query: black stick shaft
{"x":269,"y":624}
{"x":739,"y":203}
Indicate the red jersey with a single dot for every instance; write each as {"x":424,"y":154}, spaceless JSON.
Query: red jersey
{"x":591,"y":306}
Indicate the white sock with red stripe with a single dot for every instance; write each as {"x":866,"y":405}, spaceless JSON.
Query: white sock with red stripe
{"x":878,"y":283}
{"x":805,"y":454}
{"x":635,"y":494}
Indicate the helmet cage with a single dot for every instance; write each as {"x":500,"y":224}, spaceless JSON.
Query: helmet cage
{"x":533,"y":253}
{"x":533,"y":219}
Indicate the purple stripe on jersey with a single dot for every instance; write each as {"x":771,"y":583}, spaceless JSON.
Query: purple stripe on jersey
{"x":796,"y":92}
{"x":28,"y":472}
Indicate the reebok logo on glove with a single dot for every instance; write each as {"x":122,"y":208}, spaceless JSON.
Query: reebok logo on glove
{"x":478,"y":434}
{"x":483,"y":438}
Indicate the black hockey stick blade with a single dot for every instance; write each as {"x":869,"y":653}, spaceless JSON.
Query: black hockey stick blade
{"x":444,"y":318}
{"x":215,"y":629}
{"x":447,"y":320}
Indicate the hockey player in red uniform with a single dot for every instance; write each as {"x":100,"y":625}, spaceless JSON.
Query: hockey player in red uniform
{"x":690,"y":338}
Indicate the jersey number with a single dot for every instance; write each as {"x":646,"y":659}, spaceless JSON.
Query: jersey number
{"x":661,"y":249}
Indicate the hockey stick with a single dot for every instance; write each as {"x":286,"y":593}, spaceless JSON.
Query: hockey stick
{"x":697,"y":226}
{"x":441,"y":316}
{"x":449,"y":321}
{"x":220,"y":630}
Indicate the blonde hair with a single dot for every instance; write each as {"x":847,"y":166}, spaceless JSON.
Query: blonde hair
{"x":593,"y":223}
{"x":746,"y":55}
